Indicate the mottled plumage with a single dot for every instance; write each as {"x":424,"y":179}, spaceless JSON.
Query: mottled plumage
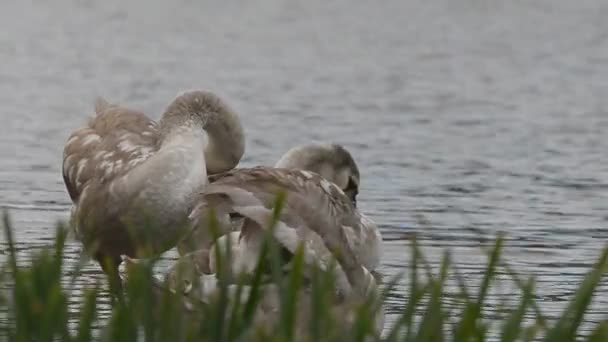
{"x":132,"y":181}
{"x":115,"y":141}
{"x":329,"y":165}
{"x":316,"y":213}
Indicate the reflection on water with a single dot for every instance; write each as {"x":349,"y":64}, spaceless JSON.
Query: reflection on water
{"x":480,"y":116}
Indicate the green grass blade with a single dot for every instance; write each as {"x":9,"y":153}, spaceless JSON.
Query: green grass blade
{"x":512,"y":327}
{"x":289,"y":306}
{"x":431,"y":326}
{"x":8,"y":234}
{"x":567,"y":326}
{"x":87,"y":315}
{"x":416,"y":293}
{"x":469,"y":325}
{"x":541,"y":321}
{"x":600,"y":334}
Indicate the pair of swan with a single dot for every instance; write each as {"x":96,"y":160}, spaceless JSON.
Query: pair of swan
{"x":140,"y":188}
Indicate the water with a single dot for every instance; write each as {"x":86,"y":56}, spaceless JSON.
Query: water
{"x":481,"y":116}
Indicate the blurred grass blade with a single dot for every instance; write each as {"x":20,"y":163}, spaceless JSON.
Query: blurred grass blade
{"x":87,"y":315}
{"x":468,"y":325}
{"x":431,"y":326}
{"x":600,"y":334}
{"x":405,"y":321}
{"x":541,"y":321}
{"x":289,"y":307}
{"x":567,"y":326}
{"x":8,"y":234}
{"x":512,"y":327}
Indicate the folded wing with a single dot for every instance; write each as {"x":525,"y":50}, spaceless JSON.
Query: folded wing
{"x":115,"y":141}
{"x":315,"y":213}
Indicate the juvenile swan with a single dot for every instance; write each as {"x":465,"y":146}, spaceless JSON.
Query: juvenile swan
{"x":314,"y":211}
{"x":316,"y":214}
{"x":336,"y":167}
{"x":132,"y":180}
{"x":334,"y":163}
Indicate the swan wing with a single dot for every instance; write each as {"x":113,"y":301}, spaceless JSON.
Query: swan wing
{"x":315,"y":212}
{"x":113,"y":142}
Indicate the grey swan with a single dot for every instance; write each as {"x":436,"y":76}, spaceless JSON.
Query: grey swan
{"x":132,"y":181}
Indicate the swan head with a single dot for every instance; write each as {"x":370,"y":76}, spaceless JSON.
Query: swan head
{"x":226,"y":144}
{"x":332,"y":161}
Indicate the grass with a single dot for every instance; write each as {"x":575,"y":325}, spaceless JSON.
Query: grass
{"x":37,"y":304}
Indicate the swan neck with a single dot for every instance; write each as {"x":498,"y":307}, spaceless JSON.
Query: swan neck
{"x":185,"y":135}
{"x":161,"y":189}
{"x":225,"y":137}
{"x":226,"y":144}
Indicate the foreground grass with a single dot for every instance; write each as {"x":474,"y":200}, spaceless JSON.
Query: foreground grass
{"x":37,"y":305}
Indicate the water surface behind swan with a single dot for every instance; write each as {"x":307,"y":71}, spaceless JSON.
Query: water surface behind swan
{"x":481,"y":116}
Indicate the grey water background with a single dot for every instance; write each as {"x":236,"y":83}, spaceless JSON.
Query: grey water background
{"x":481,"y":116}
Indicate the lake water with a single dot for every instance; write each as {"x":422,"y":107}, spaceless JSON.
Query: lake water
{"x":481,"y":116}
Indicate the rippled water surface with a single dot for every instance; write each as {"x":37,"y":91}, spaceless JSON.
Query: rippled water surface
{"x":480,"y":116}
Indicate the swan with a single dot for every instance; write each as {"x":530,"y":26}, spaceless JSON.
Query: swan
{"x":335,"y":166}
{"x":132,"y":181}
{"x":316,"y":214}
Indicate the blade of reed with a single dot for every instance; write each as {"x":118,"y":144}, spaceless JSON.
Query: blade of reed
{"x":289,"y":302}
{"x":220,"y":303}
{"x":431,"y":326}
{"x":600,"y":334}
{"x":469,"y":325}
{"x":541,"y":321}
{"x":566,"y":327}
{"x":416,"y":293}
{"x":87,"y":315}
{"x":512,"y":327}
